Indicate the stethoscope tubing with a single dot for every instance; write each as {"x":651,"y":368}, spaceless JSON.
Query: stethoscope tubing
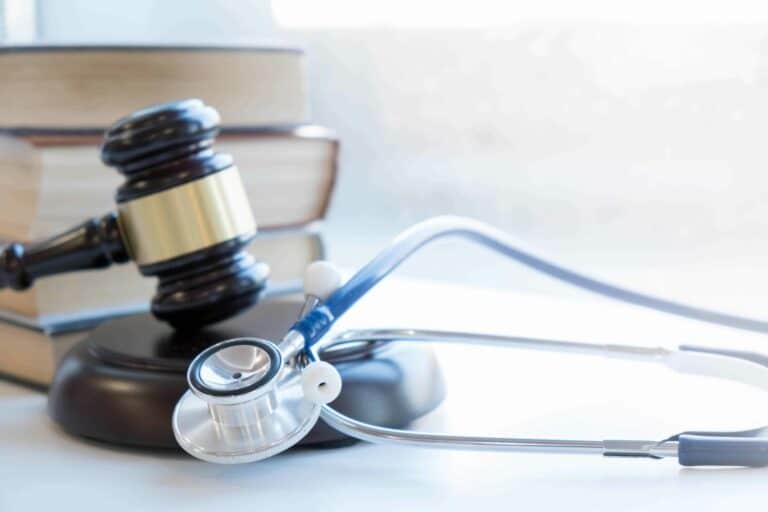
{"x":690,"y":449}
{"x":747,"y":448}
{"x":383,"y":435}
{"x":319,"y":321}
{"x":308,"y":339}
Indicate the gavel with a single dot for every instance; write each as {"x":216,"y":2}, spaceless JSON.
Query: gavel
{"x":182,"y":216}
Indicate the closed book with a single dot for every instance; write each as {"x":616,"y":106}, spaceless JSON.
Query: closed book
{"x":51,"y":180}
{"x":93,"y":86}
{"x":30,"y":353}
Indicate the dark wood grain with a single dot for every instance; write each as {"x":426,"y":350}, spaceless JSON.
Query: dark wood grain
{"x":166,"y":146}
{"x":96,"y":243}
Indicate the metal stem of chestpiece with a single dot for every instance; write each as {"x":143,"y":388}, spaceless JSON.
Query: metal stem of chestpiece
{"x":182,"y":215}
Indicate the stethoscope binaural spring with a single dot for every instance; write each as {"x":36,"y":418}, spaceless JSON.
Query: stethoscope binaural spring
{"x":250,"y":398}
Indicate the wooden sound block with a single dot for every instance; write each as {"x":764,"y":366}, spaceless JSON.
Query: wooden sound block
{"x":120,"y":385}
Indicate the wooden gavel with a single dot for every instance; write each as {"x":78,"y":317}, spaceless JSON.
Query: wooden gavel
{"x":182,"y":216}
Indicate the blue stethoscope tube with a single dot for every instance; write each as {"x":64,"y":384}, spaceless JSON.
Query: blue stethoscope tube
{"x":320,"y":319}
{"x":211,"y":439}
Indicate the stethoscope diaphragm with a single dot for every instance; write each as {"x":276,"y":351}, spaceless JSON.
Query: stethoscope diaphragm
{"x":244,"y":404}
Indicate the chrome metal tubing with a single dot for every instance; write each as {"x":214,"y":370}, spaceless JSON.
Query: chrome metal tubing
{"x":384,"y":435}
{"x":291,"y":345}
{"x":424,"y":335}
{"x":375,"y":434}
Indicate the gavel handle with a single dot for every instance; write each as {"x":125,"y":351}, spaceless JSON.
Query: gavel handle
{"x":96,"y":243}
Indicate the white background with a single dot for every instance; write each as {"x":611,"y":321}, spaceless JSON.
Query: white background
{"x":625,"y":138}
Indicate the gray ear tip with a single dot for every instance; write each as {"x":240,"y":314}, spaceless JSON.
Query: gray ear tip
{"x":703,"y":450}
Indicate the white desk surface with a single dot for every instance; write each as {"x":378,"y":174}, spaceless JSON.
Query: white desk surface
{"x":490,"y":391}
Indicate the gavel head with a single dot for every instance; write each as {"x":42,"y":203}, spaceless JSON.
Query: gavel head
{"x":183,"y":213}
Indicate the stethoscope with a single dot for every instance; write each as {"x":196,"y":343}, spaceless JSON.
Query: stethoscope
{"x":251,"y":398}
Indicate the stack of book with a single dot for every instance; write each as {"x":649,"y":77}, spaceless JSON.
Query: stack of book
{"x":56,"y":103}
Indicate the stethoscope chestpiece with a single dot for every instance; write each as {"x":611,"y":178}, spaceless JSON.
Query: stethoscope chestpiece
{"x":235,"y":371}
{"x":244,"y":404}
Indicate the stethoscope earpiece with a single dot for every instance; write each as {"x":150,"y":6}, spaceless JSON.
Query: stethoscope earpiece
{"x":321,"y":279}
{"x":321,"y":382}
